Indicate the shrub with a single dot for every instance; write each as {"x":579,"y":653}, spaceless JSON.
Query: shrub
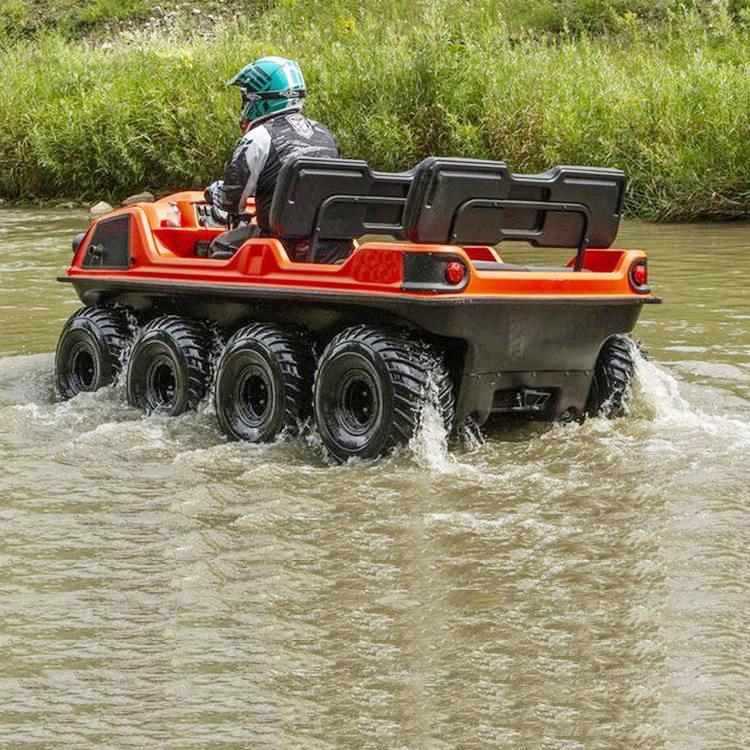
{"x":667,"y":103}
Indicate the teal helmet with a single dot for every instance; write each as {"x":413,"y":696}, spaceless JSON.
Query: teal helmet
{"x":269,"y":85}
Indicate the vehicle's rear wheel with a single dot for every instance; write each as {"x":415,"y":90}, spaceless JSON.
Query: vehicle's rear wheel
{"x":371,"y":387}
{"x":263,"y":383}
{"x":169,"y":366}
{"x":613,"y":376}
{"x":90,"y":349}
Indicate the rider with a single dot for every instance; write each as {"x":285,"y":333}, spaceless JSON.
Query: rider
{"x":274,"y":130}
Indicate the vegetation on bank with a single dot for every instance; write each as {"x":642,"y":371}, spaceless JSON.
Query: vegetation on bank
{"x":660,"y":89}
{"x":73,"y":19}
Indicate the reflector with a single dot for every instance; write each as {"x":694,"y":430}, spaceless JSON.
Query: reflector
{"x":455,"y":272}
{"x":639,"y":275}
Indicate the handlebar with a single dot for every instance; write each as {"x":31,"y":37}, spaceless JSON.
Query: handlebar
{"x":234,"y":220}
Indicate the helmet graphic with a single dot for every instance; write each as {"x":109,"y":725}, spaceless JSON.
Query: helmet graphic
{"x":269,"y":85}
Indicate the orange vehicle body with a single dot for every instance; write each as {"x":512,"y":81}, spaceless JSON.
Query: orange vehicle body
{"x":164,"y":253}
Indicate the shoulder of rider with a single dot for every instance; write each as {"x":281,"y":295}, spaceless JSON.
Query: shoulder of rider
{"x":255,"y":136}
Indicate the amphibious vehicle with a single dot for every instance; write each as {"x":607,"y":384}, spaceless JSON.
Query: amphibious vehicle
{"x":427,"y":312}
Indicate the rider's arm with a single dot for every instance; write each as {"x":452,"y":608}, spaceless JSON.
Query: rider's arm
{"x":241,"y":174}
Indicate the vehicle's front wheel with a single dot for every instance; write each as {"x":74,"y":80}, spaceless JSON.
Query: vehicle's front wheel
{"x":263,"y":383}
{"x":90,"y":349}
{"x":169,"y":366}
{"x":371,"y":387}
{"x":613,"y":376}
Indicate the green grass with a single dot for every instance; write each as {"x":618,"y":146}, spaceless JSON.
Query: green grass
{"x":662,"y":92}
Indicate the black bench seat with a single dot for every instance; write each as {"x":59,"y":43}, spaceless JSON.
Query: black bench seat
{"x":449,"y":201}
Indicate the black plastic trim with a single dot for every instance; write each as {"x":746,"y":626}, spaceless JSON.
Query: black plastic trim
{"x":77,"y":240}
{"x":109,"y":246}
{"x":459,"y":201}
{"x":355,"y":200}
{"x":526,"y":235}
{"x":425,"y":272}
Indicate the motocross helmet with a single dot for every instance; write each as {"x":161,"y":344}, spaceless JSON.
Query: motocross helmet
{"x":269,"y":85}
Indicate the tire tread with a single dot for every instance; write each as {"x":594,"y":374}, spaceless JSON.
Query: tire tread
{"x":613,"y":376}
{"x":112,"y":325}
{"x":413,"y":366}
{"x":294,"y":356}
{"x":194,"y":341}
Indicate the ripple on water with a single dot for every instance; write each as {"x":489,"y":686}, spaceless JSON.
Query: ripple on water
{"x":538,"y":586}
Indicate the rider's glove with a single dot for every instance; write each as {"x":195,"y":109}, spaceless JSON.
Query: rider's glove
{"x":211,"y":193}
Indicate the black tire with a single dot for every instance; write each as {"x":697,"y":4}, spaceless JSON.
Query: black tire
{"x":370,"y":388}
{"x":263,"y":383}
{"x":90,"y":350}
{"x":169,"y":367}
{"x":613,"y":376}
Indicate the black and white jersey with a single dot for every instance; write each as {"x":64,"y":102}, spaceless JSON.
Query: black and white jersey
{"x":259,"y":156}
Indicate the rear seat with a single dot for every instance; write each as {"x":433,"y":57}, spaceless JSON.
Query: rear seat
{"x":319,"y":200}
{"x":473,"y":202}
{"x":449,"y":201}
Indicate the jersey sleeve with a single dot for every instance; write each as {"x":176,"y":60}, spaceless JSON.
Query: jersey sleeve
{"x":242,"y":172}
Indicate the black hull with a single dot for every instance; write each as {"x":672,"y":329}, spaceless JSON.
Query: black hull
{"x":501,"y":351}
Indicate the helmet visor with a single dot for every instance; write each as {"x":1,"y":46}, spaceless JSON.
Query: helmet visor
{"x":254,"y":96}
{"x":252,"y":107}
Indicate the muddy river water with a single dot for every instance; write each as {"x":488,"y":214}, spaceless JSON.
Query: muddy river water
{"x":565,"y":587}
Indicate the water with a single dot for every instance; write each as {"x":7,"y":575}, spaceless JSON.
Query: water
{"x":566,"y":587}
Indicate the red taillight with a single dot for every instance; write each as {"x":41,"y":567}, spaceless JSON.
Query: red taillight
{"x":639,"y":277}
{"x":455,"y":272}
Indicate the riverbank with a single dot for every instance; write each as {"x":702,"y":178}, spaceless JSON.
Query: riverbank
{"x":665,"y":99}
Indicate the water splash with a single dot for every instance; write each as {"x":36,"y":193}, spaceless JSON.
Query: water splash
{"x":429,"y":445}
{"x":657,"y":397}
{"x":134,"y":328}
{"x":471,"y":436}
{"x":656,"y":393}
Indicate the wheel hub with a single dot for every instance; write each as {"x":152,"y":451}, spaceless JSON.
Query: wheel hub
{"x":254,"y":395}
{"x":358,"y":402}
{"x":83,"y":368}
{"x":162,"y":382}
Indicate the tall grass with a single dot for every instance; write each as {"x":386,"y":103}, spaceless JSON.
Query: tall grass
{"x":667,"y":102}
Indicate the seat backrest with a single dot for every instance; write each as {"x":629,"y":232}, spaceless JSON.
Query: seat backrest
{"x":337,"y":199}
{"x":473,"y":202}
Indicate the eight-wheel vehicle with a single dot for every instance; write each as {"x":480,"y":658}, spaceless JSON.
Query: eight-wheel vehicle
{"x":431,"y":315}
